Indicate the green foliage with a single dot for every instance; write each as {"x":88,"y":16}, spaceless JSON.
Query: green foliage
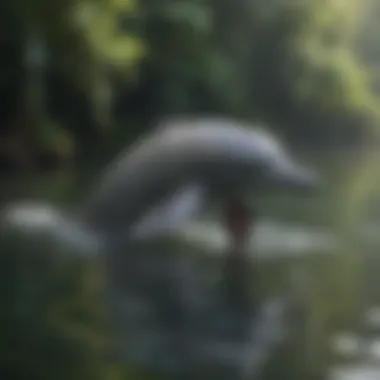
{"x":311,"y":71}
{"x":82,"y":42}
{"x":82,"y":34}
{"x":52,"y":323}
{"x":292,"y":64}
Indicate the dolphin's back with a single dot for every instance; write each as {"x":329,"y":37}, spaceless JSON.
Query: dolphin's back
{"x":133,"y":181}
{"x":178,"y":153}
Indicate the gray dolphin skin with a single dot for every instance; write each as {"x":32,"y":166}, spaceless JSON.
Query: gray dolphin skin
{"x":169,"y":176}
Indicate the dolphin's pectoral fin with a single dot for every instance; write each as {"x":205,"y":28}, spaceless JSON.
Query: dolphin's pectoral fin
{"x":172,"y":214}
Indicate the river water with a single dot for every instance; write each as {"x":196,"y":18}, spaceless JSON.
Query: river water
{"x":356,"y":353}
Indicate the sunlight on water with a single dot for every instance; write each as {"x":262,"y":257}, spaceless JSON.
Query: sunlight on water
{"x":347,"y":345}
{"x":361,"y":351}
{"x":372,"y":318}
{"x":360,"y":372}
{"x":269,"y":238}
{"x":374,"y":350}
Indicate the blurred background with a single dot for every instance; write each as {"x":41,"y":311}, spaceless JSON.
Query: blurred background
{"x":81,"y":79}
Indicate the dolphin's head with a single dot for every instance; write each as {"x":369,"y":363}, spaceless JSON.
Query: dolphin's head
{"x":280,"y":170}
{"x":251,"y":160}
{"x":269,"y":165}
{"x":258,"y":162}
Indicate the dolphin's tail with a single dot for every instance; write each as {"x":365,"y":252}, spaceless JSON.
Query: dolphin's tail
{"x":41,"y":220}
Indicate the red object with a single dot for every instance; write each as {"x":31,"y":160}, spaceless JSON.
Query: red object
{"x":237,"y":220}
{"x":237,"y":268}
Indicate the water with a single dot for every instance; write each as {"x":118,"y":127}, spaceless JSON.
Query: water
{"x":356,"y":372}
{"x":269,"y":240}
{"x":356,"y":353}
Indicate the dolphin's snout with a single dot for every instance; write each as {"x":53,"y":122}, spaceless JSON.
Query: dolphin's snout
{"x":306,"y":178}
{"x":298,"y":177}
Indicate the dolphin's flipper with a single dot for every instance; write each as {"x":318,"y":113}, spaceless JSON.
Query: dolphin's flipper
{"x":172,"y":214}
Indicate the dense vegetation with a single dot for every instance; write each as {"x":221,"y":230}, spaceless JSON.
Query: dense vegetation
{"x":82,"y":75}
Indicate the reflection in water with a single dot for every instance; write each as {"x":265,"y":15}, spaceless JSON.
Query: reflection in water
{"x":271,"y":239}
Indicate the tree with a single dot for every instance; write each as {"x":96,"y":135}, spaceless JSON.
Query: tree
{"x":81,"y":42}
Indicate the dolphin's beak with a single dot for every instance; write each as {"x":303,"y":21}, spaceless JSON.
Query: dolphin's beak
{"x":290,"y":175}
